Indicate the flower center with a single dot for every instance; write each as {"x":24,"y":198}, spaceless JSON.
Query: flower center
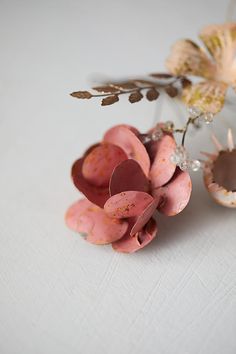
{"x":224,"y":170}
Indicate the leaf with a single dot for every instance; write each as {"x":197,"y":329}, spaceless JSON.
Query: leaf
{"x":143,"y":83}
{"x":152,"y":94}
{"x":82,"y":94}
{"x":135,"y":97}
{"x":106,"y":89}
{"x":171,"y":91}
{"x":110,"y":100}
{"x":161,"y":75}
{"x":126,"y":85}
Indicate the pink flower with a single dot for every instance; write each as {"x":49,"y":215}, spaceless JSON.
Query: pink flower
{"x":125,"y":183}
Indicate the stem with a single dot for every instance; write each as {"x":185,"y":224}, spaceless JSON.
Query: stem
{"x":140,"y":88}
{"x":190,"y":121}
{"x":122,"y":92}
{"x":184,"y":130}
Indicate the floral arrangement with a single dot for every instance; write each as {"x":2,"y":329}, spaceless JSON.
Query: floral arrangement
{"x":129,"y":176}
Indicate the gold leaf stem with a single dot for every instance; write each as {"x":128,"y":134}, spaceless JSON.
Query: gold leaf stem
{"x":184,"y":130}
{"x":118,"y":92}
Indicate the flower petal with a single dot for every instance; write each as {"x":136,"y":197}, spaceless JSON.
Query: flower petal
{"x":128,"y":176}
{"x":91,"y":147}
{"x":146,"y":215}
{"x":74,"y":212}
{"x":126,"y":139}
{"x":130,"y":127}
{"x":130,"y":244}
{"x":220,"y":41}
{"x":97,"y":195}
{"x":162,"y":168}
{"x":176,"y":194}
{"x":187,"y":58}
{"x":88,"y":218}
{"x":100,"y":162}
{"x":208,"y":96}
{"x":127,"y":204}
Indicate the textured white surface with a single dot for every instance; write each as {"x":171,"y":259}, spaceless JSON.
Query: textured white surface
{"x":59,"y":294}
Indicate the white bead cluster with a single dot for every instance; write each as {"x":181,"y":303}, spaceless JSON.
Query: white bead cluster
{"x":195,"y":112}
{"x":181,"y":158}
{"x":157,"y":133}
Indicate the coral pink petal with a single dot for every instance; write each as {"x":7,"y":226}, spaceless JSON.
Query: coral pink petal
{"x":130,"y":244}
{"x":91,"y":149}
{"x":128,"y":176}
{"x":100,"y":162}
{"x":74,"y":213}
{"x":127,"y":204}
{"x":96,"y":195}
{"x":130,"y":143}
{"x":176,"y":194}
{"x":162,"y":168}
{"x":106,"y":230}
{"x":88,"y":218}
{"x":130,"y":127}
{"x":145,"y":216}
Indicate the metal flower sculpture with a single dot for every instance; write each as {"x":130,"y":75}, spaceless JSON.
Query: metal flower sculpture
{"x":129,"y":176}
{"x":125,"y":181}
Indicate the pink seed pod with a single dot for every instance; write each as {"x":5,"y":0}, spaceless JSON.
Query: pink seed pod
{"x":219,"y":173}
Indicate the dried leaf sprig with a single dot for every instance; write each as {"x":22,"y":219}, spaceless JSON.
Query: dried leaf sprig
{"x":136,"y":89}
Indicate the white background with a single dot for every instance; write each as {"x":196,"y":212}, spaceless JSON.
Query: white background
{"x":59,"y":294}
